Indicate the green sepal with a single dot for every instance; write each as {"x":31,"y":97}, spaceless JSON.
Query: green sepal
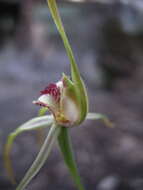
{"x":80,"y":89}
{"x":67,"y":152}
{"x":41,"y":157}
{"x":98,"y":116}
{"x":33,"y":124}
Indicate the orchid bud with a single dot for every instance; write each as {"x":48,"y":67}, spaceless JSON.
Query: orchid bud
{"x":61,"y":99}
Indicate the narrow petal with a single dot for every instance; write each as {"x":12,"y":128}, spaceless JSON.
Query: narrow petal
{"x":96,"y":116}
{"x":41,"y":158}
{"x":33,"y":124}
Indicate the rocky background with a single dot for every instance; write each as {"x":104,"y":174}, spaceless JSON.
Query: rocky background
{"x":107,"y":39}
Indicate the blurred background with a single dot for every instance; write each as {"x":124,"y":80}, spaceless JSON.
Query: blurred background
{"x":107,"y":39}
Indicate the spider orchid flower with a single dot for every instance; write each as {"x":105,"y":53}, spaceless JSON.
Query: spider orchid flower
{"x":67,"y":102}
{"x":62,"y":101}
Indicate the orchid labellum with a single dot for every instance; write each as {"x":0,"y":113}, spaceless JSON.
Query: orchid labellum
{"x":67,"y":103}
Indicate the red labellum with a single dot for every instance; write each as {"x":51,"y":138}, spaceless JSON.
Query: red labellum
{"x":53,"y":90}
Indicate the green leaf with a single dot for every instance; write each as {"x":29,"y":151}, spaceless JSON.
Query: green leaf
{"x":41,"y":158}
{"x":66,"y":149}
{"x":81,"y":92}
{"x":33,"y":124}
{"x":96,"y":116}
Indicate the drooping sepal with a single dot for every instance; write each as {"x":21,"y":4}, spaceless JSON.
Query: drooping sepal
{"x":33,"y":124}
{"x":41,"y":157}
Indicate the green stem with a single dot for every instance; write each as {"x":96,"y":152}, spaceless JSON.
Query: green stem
{"x":41,"y":158}
{"x":66,"y":149}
